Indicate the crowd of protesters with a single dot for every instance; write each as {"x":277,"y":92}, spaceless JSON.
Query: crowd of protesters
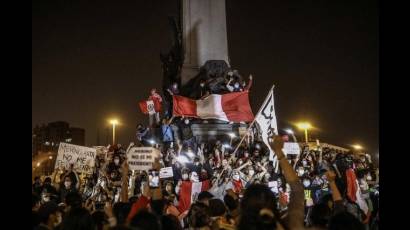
{"x":214,"y":185}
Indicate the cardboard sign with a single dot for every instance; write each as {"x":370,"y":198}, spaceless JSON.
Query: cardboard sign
{"x":291,"y":148}
{"x":141,"y":158}
{"x":83,"y":158}
{"x":166,"y":172}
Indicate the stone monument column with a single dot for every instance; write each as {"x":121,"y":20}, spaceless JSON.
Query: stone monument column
{"x":204,"y":35}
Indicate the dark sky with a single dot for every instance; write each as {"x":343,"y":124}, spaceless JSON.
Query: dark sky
{"x":93,"y":60}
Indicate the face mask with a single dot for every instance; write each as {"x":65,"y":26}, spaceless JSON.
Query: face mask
{"x":240,"y":162}
{"x":236,"y":85}
{"x":246,"y":155}
{"x":202,"y":84}
{"x":184,"y":176}
{"x":251,"y":172}
{"x":175,"y":86}
{"x":306,"y":183}
{"x":46,"y":199}
{"x":186,"y":121}
{"x":235,"y":177}
{"x":301,"y":172}
{"x":196,"y":163}
{"x":369,"y":177}
{"x":304,"y":162}
{"x":67,"y":184}
{"x":116,"y":161}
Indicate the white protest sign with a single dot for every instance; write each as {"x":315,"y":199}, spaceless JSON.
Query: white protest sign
{"x":291,"y":148}
{"x":141,"y":158}
{"x":83,"y":158}
{"x":166,"y":172}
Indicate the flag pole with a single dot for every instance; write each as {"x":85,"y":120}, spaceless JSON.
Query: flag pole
{"x":254,"y":119}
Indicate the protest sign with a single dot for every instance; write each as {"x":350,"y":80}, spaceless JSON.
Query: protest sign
{"x":166,"y":172}
{"x":83,"y":158}
{"x":141,"y":158}
{"x":291,"y":148}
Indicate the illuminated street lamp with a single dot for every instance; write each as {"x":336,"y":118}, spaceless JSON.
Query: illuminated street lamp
{"x":357,"y":147}
{"x":113,"y":122}
{"x":304,"y":126}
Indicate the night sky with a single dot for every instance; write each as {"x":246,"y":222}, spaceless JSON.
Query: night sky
{"x":93,"y":60}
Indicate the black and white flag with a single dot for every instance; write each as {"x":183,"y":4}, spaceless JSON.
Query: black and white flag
{"x":267,"y":125}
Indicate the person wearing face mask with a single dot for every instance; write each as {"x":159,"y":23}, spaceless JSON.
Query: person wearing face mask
{"x":154,"y":118}
{"x":237,"y":183}
{"x":66,"y":187}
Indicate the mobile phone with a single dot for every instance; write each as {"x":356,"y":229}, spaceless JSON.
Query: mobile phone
{"x":153,"y":178}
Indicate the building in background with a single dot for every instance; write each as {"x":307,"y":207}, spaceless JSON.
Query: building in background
{"x":46,"y":138}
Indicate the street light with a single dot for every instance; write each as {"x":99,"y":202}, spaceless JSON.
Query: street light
{"x":289,"y":131}
{"x":357,"y":147}
{"x":113,"y":122}
{"x":305,"y":126}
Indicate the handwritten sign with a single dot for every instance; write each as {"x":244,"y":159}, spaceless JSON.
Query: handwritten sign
{"x":83,"y":158}
{"x":291,"y":148}
{"x":166,"y":172}
{"x":141,"y":158}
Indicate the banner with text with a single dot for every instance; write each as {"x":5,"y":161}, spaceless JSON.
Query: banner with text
{"x":83,"y":158}
{"x":141,"y":158}
{"x":291,"y":148}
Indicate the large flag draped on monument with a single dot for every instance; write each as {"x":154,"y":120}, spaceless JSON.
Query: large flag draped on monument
{"x":266,"y":119}
{"x":228,"y":107}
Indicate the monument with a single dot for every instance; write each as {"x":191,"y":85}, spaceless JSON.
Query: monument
{"x":199,"y":53}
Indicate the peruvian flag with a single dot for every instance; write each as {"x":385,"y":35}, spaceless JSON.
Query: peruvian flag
{"x":150,"y":106}
{"x":189,"y":191}
{"x":228,"y":107}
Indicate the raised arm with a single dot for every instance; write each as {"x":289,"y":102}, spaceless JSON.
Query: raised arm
{"x":296,"y":204}
{"x":124,"y":182}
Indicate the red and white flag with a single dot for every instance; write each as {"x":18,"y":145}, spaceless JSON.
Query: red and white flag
{"x":188,"y":193}
{"x":228,"y":107}
{"x":150,"y":106}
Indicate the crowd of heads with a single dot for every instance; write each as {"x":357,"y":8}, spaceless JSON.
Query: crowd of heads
{"x":214,"y":184}
{"x":245,"y":190}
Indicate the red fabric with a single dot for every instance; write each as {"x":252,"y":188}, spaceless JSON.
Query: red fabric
{"x":155,"y":97}
{"x":237,"y":186}
{"x":184,"y":196}
{"x":183,"y":106}
{"x":141,"y":203}
{"x":206,"y":185}
{"x":144,"y":109}
{"x":351,"y":184}
{"x":236,"y":106}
